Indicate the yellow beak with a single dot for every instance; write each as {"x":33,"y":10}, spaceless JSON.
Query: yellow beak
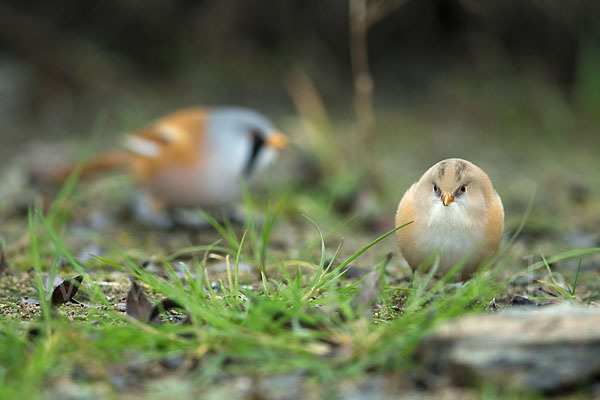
{"x":277,"y":140}
{"x":447,"y":198}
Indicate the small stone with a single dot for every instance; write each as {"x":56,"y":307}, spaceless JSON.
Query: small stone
{"x":521,"y":301}
{"x":547,"y":349}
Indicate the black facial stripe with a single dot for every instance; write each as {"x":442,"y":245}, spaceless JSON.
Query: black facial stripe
{"x":258,"y":142}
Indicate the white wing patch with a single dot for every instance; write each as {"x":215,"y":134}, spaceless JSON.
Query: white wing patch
{"x":142,"y":147}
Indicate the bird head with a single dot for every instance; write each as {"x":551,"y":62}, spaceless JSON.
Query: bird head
{"x":455,"y":186}
{"x":232,"y":140}
{"x":247,"y":139}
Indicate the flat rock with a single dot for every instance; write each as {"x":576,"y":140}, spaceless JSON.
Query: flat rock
{"x":548,"y":349}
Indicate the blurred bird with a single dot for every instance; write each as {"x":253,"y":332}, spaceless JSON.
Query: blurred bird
{"x":455,"y":213}
{"x":194,"y":157}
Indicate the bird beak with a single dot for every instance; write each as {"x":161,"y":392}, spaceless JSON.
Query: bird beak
{"x":277,"y":140}
{"x":447,"y":198}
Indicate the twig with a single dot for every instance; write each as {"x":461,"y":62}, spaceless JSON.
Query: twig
{"x":362,"y":15}
{"x":363,"y":81}
{"x":378,"y":10}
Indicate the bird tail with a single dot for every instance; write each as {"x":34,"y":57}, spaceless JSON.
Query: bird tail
{"x":97,"y":165}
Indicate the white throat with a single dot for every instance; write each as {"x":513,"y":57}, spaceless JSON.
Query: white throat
{"x":452,"y":231}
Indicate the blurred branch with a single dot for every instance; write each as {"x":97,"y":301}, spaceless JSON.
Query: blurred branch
{"x":380,"y":9}
{"x":359,"y":56}
{"x":362,"y":15}
{"x":318,"y":129}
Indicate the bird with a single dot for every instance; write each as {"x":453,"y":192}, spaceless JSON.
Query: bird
{"x":454,"y":213}
{"x":192,"y":158}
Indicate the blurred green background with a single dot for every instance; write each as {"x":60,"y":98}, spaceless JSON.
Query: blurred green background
{"x":371,"y":92}
{"x":63,"y":63}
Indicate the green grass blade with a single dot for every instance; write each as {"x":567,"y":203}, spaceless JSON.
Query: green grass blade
{"x":35,"y":254}
{"x":576,"y":277}
{"x":373,"y":243}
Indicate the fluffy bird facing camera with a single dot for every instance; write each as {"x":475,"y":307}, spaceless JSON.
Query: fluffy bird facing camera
{"x":456,"y":213}
{"x":193,"y":158}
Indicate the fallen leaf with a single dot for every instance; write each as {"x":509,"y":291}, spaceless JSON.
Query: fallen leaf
{"x":50,"y":284}
{"x":66,"y":290}
{"x":165,"y":305}
{"x":138,"y":305}
{"x":520,"y":301}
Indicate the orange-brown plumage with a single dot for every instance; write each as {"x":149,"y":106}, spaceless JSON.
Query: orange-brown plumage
{"x":455,"y":213}
{"x":179,"y":136}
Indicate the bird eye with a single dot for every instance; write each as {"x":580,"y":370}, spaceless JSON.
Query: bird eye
{"x":435,"y":188}
{"x":463,"y":189}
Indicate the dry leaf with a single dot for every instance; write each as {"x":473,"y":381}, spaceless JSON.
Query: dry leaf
{"x":165,"y":305}
{"x":138,"y":305}
{"x":66,"y":290}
